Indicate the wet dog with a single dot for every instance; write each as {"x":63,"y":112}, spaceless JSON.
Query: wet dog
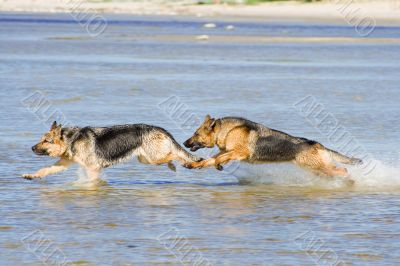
{"x":244,"y":140}
{"x":96,"y":148}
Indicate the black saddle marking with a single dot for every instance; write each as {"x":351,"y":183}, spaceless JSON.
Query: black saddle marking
{"x":117,"y":142}
{"x":272,"y":148}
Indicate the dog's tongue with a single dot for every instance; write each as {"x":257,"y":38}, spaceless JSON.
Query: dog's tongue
{"x":194,"y":148}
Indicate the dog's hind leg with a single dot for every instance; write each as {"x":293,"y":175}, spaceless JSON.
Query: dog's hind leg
{"x":318,"y":161}
{"x":171,"y":166}
{"x":183,"y":156}
{"x":163,"y":150}
{"x":167,"y":160}
{"x":332,"y":171}
{"x":143,"y":159}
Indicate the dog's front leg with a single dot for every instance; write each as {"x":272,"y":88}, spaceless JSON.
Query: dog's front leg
{"x":203,"y":163}
{"x":236,"y":155}
{"x":207,"y":163}
{"x":59,"y":166}
{"x":220,"y":159}
{"x":93,"y":174}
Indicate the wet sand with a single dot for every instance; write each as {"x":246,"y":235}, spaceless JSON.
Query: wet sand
{"x":343,"y":12}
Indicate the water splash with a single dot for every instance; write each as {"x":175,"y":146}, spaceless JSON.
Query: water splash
{"x":84,"y":181}
{"x":382,"y":177}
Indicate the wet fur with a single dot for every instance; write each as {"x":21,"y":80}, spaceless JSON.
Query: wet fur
{"x":244,"y":140}
{"x":96,"y":148}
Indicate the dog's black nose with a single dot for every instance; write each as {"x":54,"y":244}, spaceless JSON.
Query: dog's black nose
{"x":186,"y":143}
{"x":33,"y":148}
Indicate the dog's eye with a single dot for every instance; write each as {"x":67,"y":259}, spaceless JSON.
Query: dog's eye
{"x":50,"y":141}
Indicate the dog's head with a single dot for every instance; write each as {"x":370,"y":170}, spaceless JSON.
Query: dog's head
{"x":204,"y":135}
{"x":51,"y":143}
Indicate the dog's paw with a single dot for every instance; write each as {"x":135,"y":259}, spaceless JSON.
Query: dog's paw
{"x":193,"y":165}
{"x":219,"y":167}
{"x":349,"y":182}
{"x":30,"y":176}
{"x":188,"y":165}
{"x":171,"y":166}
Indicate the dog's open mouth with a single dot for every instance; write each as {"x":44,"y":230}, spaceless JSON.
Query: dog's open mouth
{"x":193,"y":146}
{"x":196,"y":146}
{"x":41,"y":152}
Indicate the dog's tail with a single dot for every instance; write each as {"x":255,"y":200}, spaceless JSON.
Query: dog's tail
{"x":336,"y":156}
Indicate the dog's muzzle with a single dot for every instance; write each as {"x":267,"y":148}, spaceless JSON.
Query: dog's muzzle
{"x":39,"y":151}
{"x":194,"y":146}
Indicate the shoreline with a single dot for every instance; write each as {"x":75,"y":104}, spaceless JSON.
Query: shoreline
{"x":362,"y":13}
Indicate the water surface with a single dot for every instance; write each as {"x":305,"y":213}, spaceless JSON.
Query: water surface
{"x":152,"y":70}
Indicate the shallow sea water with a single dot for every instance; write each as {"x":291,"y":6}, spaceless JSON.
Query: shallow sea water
{"x":152,"y":70}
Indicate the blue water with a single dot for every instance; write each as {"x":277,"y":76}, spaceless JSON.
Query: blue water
{"x":152,"y":70}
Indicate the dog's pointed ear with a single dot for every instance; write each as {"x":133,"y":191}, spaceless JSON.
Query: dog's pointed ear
{"x":212,"y":124}
{"x":207,"y":118}
{"x":57,"y":130}
{"x":54,"y":125}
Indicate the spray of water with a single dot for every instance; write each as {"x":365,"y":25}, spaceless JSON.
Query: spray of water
{"x":380,"y":178}
{"x":84,"y":181}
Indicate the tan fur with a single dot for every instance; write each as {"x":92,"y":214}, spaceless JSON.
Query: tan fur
{"x":235,"y":147}
{"x":237,"y":142}
{"x":55,"y":147}
{"x":52,"y":143}
{"x":157,"y":148}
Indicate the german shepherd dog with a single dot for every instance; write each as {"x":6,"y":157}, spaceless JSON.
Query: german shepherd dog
{"x":95,"y":148}
{"x":244,"y":140}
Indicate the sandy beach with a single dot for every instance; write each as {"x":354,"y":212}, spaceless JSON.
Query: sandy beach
{"x":360,"y":12}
